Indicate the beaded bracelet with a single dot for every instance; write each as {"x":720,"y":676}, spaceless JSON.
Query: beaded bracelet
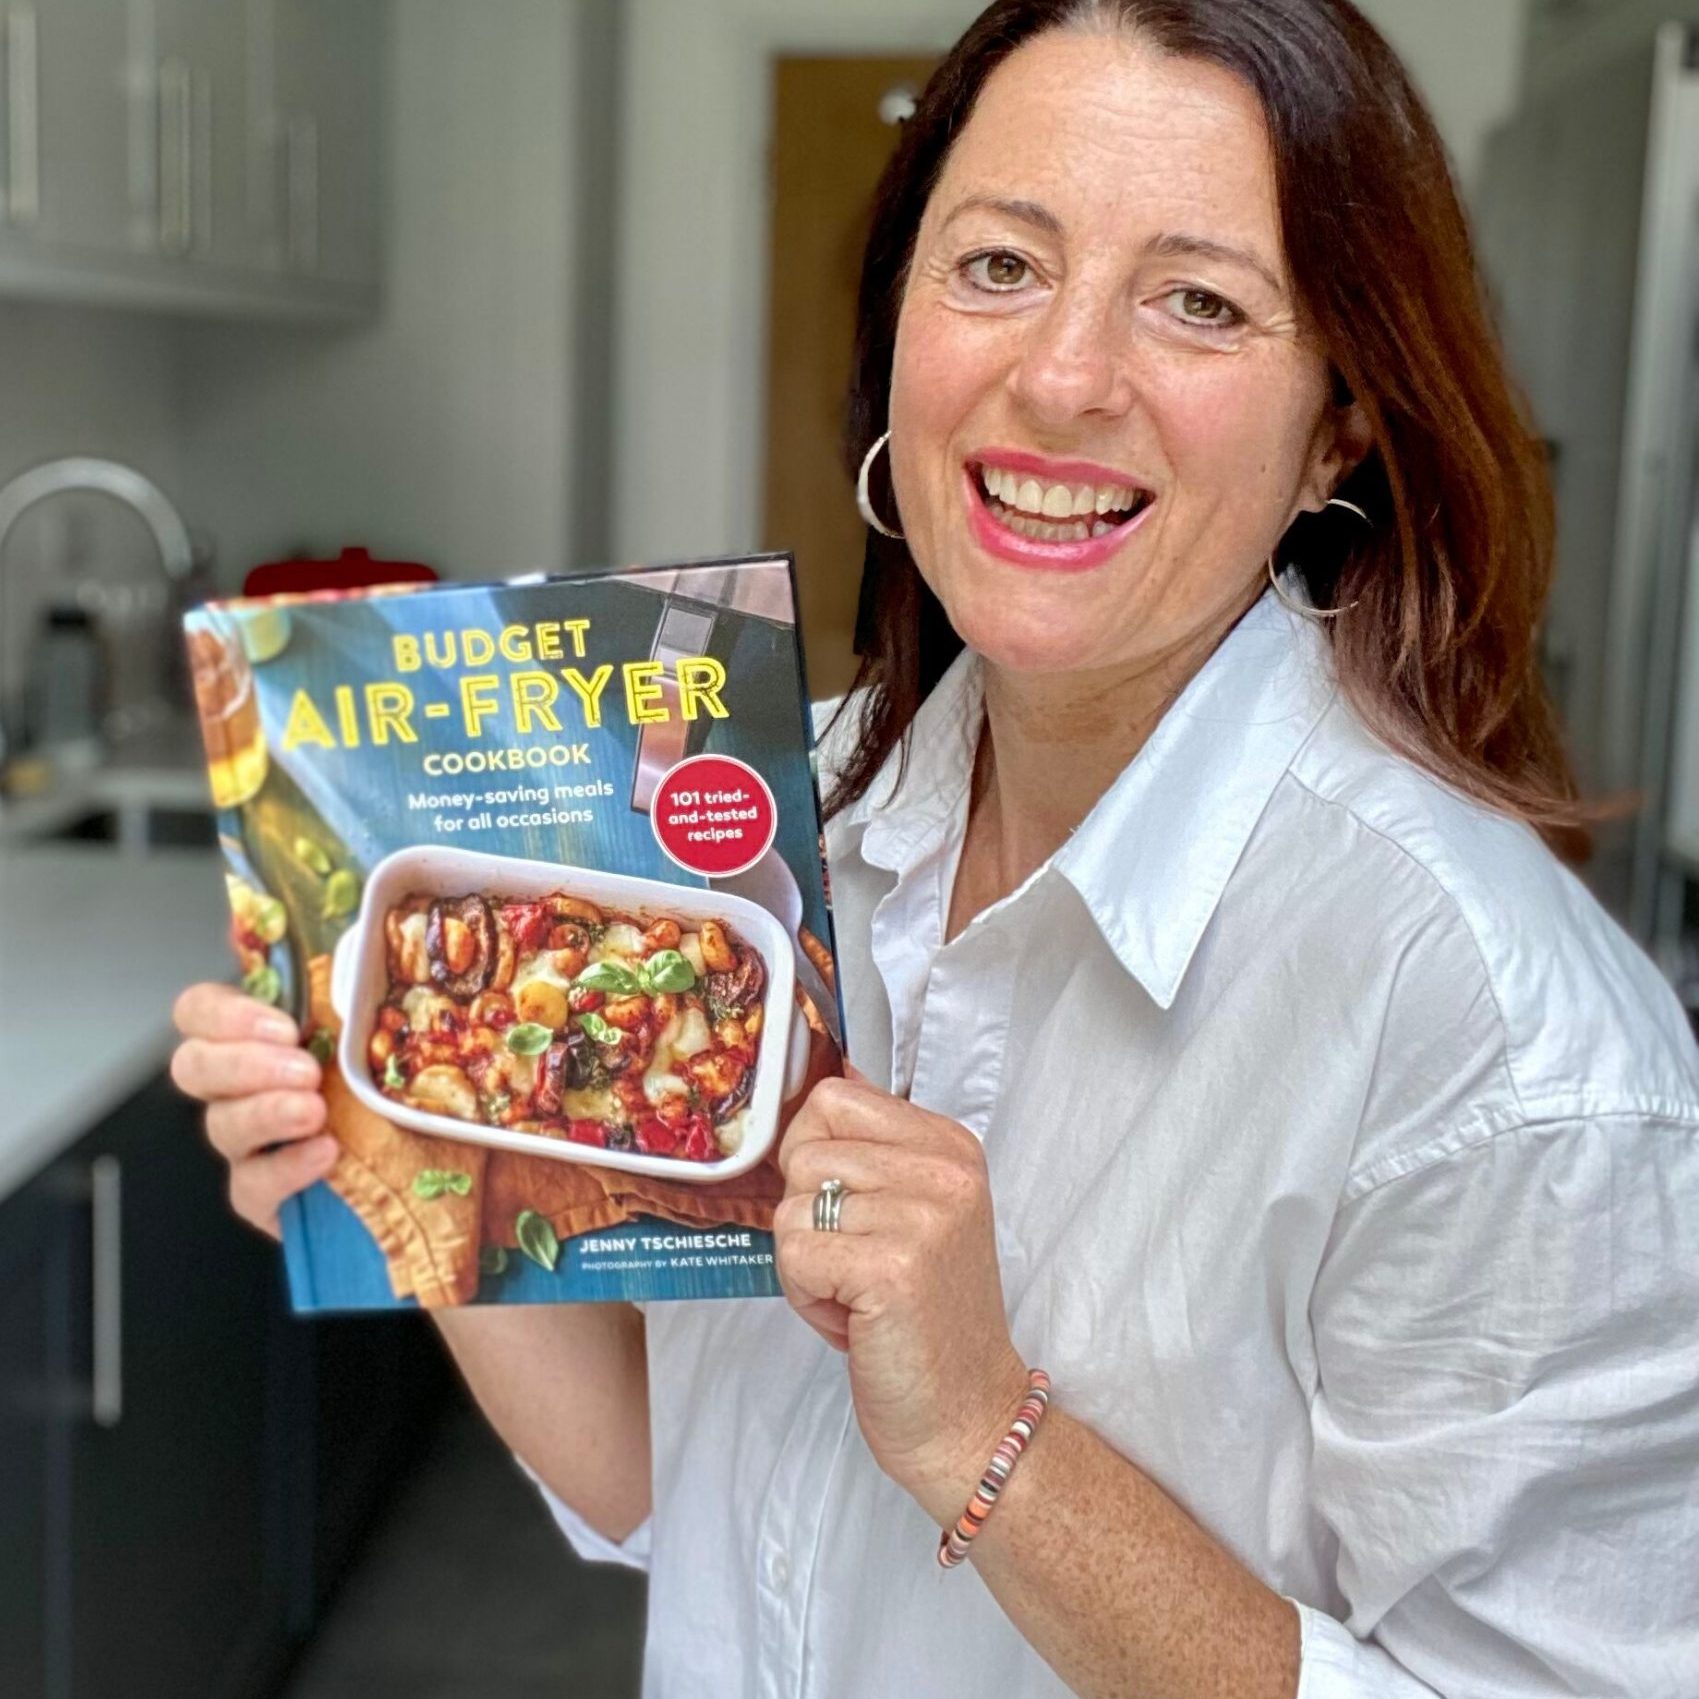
{"x":954,"y":1542}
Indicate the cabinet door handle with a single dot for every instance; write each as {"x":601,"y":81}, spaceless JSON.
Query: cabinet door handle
{"x":23,"y":118}
{"x":106,"y":1197}
{"x":176,"y":162}
{"x":301,"y":181}
{"x":200,"y":162}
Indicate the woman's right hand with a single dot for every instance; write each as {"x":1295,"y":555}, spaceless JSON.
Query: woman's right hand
{"x":265,"y":1116}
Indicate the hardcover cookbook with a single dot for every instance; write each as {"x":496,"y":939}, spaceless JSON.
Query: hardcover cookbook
{"x":537,"y":867}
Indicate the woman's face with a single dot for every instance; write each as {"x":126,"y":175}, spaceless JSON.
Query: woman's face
{"x":1104,"y":412}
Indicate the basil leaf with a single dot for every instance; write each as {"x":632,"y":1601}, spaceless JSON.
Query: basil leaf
{"x":667,"y":970}
{"x":537,"y":1239}
{"x":598,"y":1028}
{"x":392,"y":1074}
{"x":529,"y":1039}
{"x":321,"y":1045}
{"x":612,"y":977}
{"x":492,"y":1259}
{"x":265,"y":983}
{"x":458,"y":1183}
{"x":430,"y":1183}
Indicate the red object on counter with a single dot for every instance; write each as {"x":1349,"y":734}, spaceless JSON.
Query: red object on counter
{"x":353,"y":569}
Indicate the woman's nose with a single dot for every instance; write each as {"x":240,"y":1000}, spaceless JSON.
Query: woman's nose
{"x":1073,"y":363}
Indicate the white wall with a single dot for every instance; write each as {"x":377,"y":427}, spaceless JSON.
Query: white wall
{"x":692,"y":260}
{"x":79,"y":381}
{"x":441,"y":433}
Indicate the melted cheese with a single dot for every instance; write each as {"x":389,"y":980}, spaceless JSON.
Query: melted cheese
{"x":620,"y":940}
{"x":595,"y":1103}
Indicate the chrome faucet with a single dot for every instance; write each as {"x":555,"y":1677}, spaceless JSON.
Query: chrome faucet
{"x":80,"y":472}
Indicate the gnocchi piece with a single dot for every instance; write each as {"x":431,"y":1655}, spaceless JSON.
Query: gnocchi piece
{"x":541,"y":1001}
{"x":663,"y":935}
{"x":717,"y":952}
{"x":626,"y":1013}
{"x":491,"y":1008}
{"x":716,"y":1074}
{"x":443,"y":1090}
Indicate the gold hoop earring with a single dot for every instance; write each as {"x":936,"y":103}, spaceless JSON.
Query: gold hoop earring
{"x":864,"y":498}
{"x":1351,"y":507}
{"x":1303,"y":610}
{"x":1318,"y":614}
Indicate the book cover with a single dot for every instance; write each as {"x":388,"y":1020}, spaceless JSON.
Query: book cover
{"x":538,"y":868}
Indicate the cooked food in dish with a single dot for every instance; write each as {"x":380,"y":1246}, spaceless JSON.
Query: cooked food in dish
{"x":554,"y":1016}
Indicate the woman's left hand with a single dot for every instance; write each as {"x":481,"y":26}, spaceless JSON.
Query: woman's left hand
{"x":909,"y":1286}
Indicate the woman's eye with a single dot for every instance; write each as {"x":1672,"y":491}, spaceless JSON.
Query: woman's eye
{"x":997,"y":271}
{"x":1201,"y":307}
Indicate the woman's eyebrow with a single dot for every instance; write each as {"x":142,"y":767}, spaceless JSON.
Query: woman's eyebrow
{"x":1026,"y":212}
{"x":1177,"y":245}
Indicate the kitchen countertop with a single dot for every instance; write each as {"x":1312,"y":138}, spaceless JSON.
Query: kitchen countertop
{"x":95,"y":944}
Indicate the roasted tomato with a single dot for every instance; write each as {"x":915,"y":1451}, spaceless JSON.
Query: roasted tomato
{"x":656,"y":1138}
{"x":700,"y":1145}
{"x":526,"y":924}
{"x":588,"y":1132}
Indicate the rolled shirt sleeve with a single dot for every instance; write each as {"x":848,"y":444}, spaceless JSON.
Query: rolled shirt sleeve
{"x":592,"y":1546}
{"x":1506,"y":1426}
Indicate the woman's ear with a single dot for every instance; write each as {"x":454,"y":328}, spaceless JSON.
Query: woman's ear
{"x":1343,"y":440}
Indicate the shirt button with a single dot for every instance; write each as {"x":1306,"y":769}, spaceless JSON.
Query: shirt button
{"x":779,"y":1569}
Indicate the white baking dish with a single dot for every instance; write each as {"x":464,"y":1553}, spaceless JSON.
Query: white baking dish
{"x":360,"y":980}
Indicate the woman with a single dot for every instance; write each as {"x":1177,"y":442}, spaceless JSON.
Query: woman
{"x":1233,"y":1049}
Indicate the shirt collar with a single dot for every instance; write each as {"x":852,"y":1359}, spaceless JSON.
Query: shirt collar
{"x":1151,"y":860}
{"x":1153,"y":857}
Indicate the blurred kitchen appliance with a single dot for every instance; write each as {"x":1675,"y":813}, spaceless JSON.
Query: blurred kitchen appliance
{"x":1589,"y":225}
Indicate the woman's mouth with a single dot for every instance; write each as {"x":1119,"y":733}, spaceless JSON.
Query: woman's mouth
{"x":1035,"y":521}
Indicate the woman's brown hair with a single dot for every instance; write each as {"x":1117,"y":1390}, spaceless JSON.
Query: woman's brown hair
{"x":1445,"y":590}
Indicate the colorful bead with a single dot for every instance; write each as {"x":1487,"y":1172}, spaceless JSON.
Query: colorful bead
{"x":954,"y":1542}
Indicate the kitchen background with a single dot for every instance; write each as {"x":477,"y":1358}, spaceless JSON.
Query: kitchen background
{"x":499,"y":285}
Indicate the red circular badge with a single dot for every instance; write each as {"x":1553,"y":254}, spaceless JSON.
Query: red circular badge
{"x":713,"y":815}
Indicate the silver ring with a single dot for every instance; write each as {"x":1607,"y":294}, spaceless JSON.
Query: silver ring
{"x":828,"y":1206}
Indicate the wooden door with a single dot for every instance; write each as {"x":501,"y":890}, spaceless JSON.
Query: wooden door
{"x":832,"y":134}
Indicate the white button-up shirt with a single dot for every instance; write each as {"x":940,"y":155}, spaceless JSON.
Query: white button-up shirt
{"x":1345,"y":1158}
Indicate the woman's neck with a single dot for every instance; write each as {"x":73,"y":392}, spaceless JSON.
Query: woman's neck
{"x":1049,"y":748}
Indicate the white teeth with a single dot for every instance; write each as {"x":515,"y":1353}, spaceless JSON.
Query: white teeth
{"x":1029,"y":507}
{"x":1056,"y":501}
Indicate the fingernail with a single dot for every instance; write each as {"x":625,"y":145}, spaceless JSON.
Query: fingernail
{"x":300,"y":1069}
{"x":275,"y":1028}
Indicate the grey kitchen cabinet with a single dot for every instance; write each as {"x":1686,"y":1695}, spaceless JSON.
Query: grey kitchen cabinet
{"x":35,"y":1387}
{"x":328,"y":90}
{"x":178,"y":1581}
{"x":186,"y":1469}
{"x":208,"y":156}
{"x":66,"y":100}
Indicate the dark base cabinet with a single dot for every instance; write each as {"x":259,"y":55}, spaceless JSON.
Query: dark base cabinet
{"x":185,"y":1468}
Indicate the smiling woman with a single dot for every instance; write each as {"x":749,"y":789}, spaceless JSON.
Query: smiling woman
{"x":1264,"y":1233}
{"x":1255,"y":232}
